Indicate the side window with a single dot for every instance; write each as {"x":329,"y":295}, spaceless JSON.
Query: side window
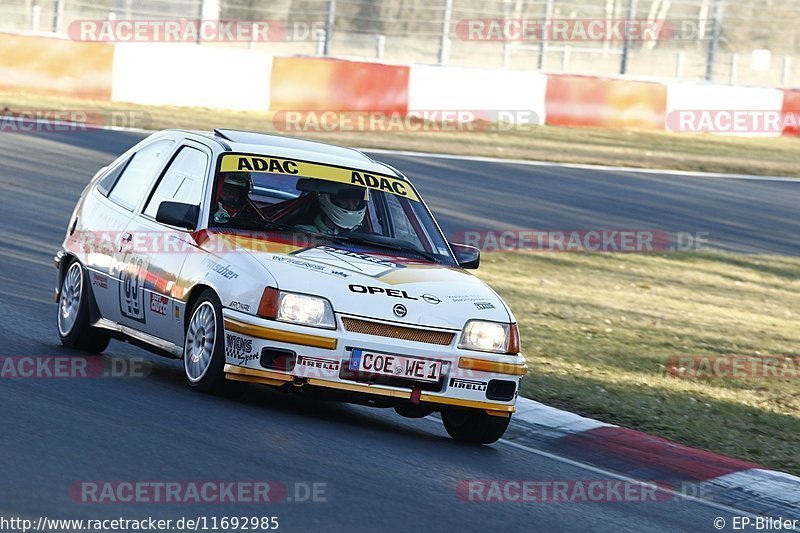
{"x":182,"y":182}
{"x":107,"y":182}
{"x":139,"y":173}
{"x":402,"y":226}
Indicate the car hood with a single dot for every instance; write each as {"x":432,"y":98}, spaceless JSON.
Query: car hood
{"x":364,"y":282}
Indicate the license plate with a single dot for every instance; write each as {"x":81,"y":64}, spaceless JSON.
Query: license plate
{"x":398,"y":366}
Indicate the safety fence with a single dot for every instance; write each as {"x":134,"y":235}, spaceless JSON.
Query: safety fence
{"x":734,"y":41}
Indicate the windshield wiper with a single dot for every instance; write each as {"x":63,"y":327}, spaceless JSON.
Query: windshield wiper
{"x":384,"y":244}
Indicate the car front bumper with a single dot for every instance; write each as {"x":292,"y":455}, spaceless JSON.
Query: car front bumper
{"x":320,"y":358}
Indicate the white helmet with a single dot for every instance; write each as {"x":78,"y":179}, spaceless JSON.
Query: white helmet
{"x":341,"y":216}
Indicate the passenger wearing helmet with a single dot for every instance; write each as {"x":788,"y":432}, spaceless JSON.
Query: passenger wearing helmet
{"x":340,"y":211}
{"x":233,"y":193}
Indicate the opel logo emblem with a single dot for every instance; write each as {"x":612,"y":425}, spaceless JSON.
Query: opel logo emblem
{"x":400,"y":310}
{"x":431,"y":299}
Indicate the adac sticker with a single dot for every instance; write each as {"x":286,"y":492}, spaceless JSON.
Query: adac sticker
{"x":273,"y":165}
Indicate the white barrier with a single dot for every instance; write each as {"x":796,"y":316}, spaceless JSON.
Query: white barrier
{"x":433,"y":88}
{"x":695,"y":98}
{"x":191,"y":75}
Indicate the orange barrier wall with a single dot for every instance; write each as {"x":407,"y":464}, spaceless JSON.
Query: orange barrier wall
{"x":791,"y":104}
{"x":48,"y":65}
{"x":304,"y":83}
{"x":604,"y":103}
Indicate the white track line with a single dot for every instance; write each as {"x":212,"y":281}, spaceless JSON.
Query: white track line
{"x":620,"y":477}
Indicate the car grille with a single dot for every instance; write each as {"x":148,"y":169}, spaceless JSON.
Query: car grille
{"x":364,"y":327}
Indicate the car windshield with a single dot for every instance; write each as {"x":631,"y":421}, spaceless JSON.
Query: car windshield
{"x":331,"y":203}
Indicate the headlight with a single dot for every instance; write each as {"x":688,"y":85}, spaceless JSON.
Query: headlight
{"x":492,"y":337}
{"x":296,"y":308}
{"x":306,"y":310}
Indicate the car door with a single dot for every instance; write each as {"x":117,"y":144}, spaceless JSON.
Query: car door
{"x":156,"y":261}
{"x":108,"y":212}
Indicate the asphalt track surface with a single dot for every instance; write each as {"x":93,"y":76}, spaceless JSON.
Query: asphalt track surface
{"x":383,"y":472}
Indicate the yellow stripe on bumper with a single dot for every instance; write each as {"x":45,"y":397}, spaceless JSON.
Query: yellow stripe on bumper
{"x":368,"y":389}
{"x":271,"y":334}
{"x":353,"y":387}
{"x":492,"y":366}
{"x":468,"y":403}
{"x":251,"y":375}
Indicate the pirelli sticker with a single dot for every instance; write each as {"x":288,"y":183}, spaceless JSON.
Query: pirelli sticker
{"x":271,"y":165}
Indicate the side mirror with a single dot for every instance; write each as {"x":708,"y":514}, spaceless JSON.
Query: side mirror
{"x":178,"y":214}
{"x":467,"y":256}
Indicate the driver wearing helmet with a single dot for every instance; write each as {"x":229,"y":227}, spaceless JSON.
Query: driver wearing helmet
{"x":232,"y":196}
{"x":340,"y":211}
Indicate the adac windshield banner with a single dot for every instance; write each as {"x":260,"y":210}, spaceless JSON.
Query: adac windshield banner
{"x":291,"y":167}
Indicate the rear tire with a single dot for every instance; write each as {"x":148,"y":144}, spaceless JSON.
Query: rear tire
{"x":74,"y":328}
{"x":474,"y":426}
{"x":204,"y":349}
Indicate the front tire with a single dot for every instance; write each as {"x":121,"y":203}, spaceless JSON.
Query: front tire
{"x":474,"y":426}
{"x":204,"y":348}
{"x":74,"y":327}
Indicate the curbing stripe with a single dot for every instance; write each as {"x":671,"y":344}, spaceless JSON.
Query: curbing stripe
{"x":652,"y":457}
{"x":710,"y":477}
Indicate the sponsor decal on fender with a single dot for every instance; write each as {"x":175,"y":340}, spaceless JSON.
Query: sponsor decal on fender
{"x":100,"y":281}
{"x":274,"y":165}
{"x":223,"y":270}
{"x":158,"y":304}
{"x":239,"y":306}
{"x":239,"y":348}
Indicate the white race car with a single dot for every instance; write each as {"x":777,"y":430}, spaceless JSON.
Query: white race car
{"x":309,"y":267}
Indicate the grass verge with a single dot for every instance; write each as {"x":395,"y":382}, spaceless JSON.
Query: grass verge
{"x":598,"y":330}
{"x":641,"y":149}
